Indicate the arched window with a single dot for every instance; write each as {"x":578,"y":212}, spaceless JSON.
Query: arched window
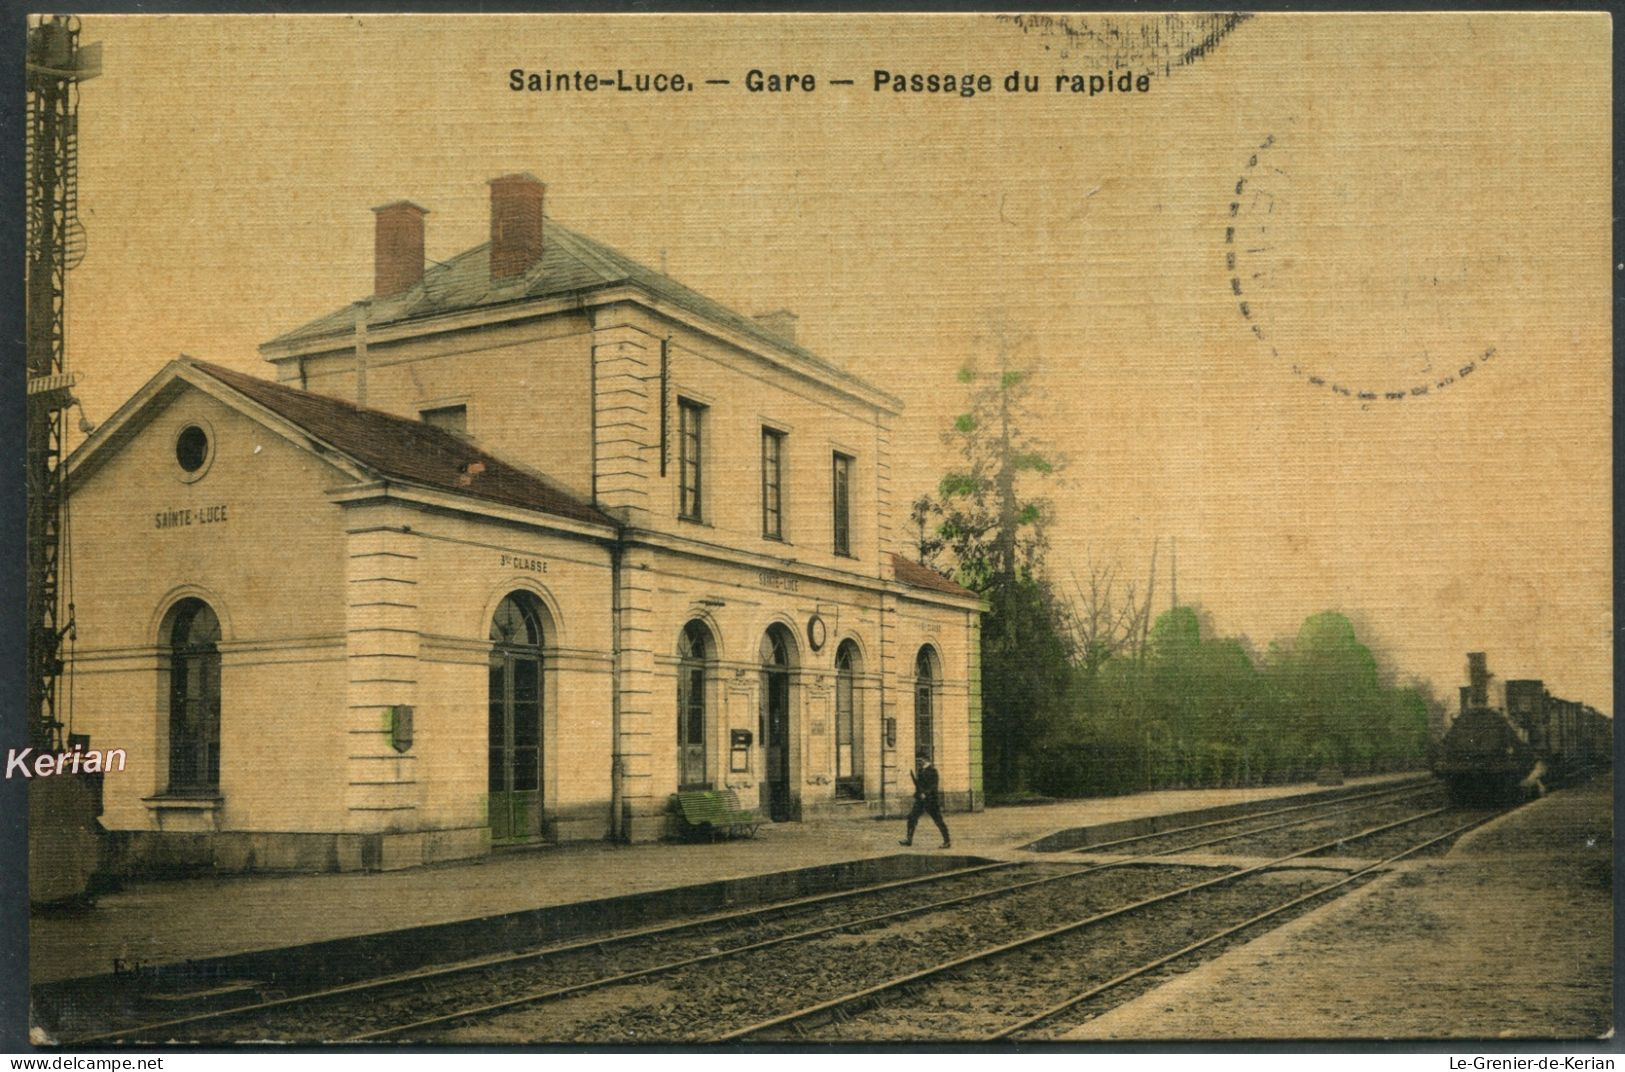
{"x":515,"y":706}
{"x":925,"y":720}
{"x":194,"y":698}
{"x":775,"y":649}
{"x":848,"y":724}
{"x":693,"y":656}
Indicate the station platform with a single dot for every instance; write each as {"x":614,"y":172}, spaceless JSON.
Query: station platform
{"x":1509,"y":935}
{"x":166,"y":922}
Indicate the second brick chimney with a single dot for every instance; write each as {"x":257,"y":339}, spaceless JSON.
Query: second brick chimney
{"x":516,"y":224}
{"x":397,"y":247}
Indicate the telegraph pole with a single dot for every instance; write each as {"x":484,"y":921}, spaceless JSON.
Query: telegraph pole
{"x":1173,"y":595}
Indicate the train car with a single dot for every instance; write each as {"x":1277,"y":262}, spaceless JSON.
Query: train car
{"x":1594,"y":741}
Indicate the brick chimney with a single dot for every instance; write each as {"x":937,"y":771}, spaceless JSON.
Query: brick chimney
{"x":1478,"y":678}
{"x":781,"y":322}
{"x":397,"y":247}
{"x":516,"y":224}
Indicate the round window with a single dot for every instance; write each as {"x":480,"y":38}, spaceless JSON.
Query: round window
{"x":192,"y":448}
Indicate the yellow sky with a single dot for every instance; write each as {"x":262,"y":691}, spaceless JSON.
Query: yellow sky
{"x":1415,"y":192}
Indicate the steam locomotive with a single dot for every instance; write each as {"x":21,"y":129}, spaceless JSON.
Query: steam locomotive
{"x":1495,"y":756}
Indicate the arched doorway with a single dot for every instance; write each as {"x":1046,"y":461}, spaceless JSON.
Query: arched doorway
{"x":515,"y":705}
{"x":925,"y":704}
{"x":695,"y":652}
{"x":777,"y":726}
{"x":194,"y":698}
{"x":848,"y":723}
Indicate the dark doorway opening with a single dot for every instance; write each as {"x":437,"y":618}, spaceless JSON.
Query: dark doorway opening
{"x":777,"y":726}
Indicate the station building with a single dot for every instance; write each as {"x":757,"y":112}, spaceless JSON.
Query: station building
{"x":507,"y":553}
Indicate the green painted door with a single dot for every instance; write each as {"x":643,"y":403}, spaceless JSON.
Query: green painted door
{"x":515,"y":759}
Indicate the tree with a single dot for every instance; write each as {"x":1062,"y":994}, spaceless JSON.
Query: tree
{"x":1109,"y":618}
{"x":1026,"y":669}
{"x":989,"y":527}
{"x":981,"y":517}
{"x":1336,"y":678}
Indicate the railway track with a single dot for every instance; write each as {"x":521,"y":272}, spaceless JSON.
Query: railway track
{"x":177,"y":1027}
{"x":1029,"y":1026}
{"x":1336,"y":806}
{"x":983,"y":990}
{"x":433,"y":1000}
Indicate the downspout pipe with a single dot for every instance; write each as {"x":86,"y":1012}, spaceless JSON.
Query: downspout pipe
{"x":617,"y":791}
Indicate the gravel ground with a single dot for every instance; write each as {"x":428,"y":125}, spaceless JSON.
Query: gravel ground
{"x":978,"y":1000}
{"x":1390,"y":842}
{"x":710,"y":999}
{"x":1509,"y":935}
{"x":1329,"y":828}
{"x":338,"y":1018}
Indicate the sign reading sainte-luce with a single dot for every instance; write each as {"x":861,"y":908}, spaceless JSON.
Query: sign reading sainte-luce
{"x":187,"y":516}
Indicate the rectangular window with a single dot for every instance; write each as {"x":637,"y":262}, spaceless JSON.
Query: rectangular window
{"x":843,"y":504}
{"x":772,"y":484}
{"x":453,"y":419}
{"x":691,"y":419}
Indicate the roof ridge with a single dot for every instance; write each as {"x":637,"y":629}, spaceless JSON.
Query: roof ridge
{"x":592,"y":249}
{"x":437,"y":437}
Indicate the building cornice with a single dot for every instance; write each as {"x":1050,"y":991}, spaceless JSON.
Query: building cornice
{"x":711,"y":552}
{"x":416,"y":495}
{"x":594,"y":298}
{"x":699,"y":550}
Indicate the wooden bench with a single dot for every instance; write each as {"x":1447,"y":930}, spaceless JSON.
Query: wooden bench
{"x":716,"y":812}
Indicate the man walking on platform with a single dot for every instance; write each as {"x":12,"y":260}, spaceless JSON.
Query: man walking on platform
{"x":927,"y":799}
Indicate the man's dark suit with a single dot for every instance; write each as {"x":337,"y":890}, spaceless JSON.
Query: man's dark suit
{"x":927,"y":801}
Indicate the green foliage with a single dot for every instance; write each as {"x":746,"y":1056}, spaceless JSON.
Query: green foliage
{"x":1026,"y":674}
{"x":1199,"y":711}
{"x":957,"y":486}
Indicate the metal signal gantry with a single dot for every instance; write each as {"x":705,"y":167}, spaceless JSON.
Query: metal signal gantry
{"x":56,"y":64}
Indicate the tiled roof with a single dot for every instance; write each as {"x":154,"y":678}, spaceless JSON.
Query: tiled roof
{"x":406,"y":450}
{"x":912,"y":573}
{"x":571,"y":264}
